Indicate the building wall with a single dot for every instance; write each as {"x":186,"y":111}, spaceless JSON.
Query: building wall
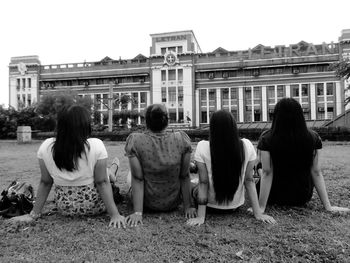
{"x":193,"y":84}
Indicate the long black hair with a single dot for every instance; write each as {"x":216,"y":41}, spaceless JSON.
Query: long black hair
{"x":292,"y":144}
{"x":227,"y":155}
{"x":73,"y":130}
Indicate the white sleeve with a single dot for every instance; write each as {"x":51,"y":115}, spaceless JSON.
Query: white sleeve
{"x":43,"y":148}
{"x":199,"y":152}
{"x":101,"y":152}
{"x":251,"y":156}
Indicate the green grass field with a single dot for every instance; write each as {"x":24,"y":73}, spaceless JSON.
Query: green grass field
{"x":307,"y":234}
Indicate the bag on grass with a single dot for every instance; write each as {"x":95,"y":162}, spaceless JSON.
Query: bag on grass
{"x":17,"y":199}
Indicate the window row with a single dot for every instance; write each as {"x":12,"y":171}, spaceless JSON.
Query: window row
{"x":24,"y":83}
{"x":87,"y":82}
{"x":172,"y":74}
{"x":262,"y":71}
{"x":176,"y":49}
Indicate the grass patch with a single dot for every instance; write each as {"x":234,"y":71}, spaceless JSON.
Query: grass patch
{"x":307,"y":234}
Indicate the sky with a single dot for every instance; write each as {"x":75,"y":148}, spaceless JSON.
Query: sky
{"x":67,"y":31}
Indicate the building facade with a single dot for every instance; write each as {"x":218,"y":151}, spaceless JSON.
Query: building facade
{"x":193,"y":84}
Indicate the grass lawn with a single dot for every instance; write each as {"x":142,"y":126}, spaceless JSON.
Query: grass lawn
{"x":306,"y":234}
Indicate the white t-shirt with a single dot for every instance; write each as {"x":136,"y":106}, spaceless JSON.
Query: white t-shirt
{"x":84,"y":175}
{"x":202,"y":155}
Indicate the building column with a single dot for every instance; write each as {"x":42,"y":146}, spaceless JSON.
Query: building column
{"x":338,"y":98}
{"x":196,"y":94}
{"x":264,"y":103}
{"x":218,"y":99}
{"x":241,"y":104}
{"x":288,"y":91}
{"x":313,"y":101}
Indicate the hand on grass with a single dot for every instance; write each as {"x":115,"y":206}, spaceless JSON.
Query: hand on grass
{"x":265,"y":218}
{"x":190,"y":212}
{"x":134,"y":220}
{"x":22,"y":219}
{"x":197,"y":221}
{"x":117,"y":220}
{"x":338,"y":209}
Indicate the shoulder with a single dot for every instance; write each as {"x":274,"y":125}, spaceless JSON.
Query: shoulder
{"x":47,"y":143}
{"x":95,"y":142}
{"x":203,"y":144}
{"x":316,"y":139}
{"x":247,"y":143}
{"x":264,"y":141}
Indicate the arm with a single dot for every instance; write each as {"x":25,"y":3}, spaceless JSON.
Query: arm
{"x":137,"y":186}
{"x":105,"y":190}
{"x":202,"y":195}
{"x":249,"y":184}
{"x":185,"y":185}
{"x":44,"y":188}
{"x":320,"y":186}
{"x":266,"y":179}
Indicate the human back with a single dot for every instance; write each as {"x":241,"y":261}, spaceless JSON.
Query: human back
{"x":292,"y":147}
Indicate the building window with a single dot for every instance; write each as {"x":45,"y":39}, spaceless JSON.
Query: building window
{"x":143,"y":100}
{"x":172,"y":74}
{"x":280,"y":91}
{"x":305,"y":89}
{"x":180,"y":74}
{"x":23,"y":83}
{"x":105,"y":101}
{"x":29,"y":83}
{"x":295,"y":90}
{"x":163,"y":50}
{"x":172,"y":49}
{"x":180,"y":95}
{"x":163,"y":75}
{"x":225,"y":98}
{"x":179,"y":49}
{"x":319,"y":89}
{"x":203,"y":106}
{"x":172,"y":95}
{"x":330,"y":88}
{"x":163,"y":94}
{"x":18,"y":84}
{"x":29,"y":100}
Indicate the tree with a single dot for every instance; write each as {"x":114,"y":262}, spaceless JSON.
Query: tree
{"x":342,"y":70}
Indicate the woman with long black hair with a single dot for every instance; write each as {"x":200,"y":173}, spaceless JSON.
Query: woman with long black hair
{"x":77,"y":165}
{"x":225,"y":165}
{"x":290,"y":160}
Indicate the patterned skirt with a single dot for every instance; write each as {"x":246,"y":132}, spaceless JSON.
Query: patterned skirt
{"x":78,"y":200}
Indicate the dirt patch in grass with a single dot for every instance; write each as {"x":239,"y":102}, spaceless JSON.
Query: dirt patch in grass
{"x":306,"y":234}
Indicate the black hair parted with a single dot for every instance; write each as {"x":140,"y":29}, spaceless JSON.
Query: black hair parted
{"x":227,"y":155}
{"x":73,"y":130}
{"x":156,"y":117}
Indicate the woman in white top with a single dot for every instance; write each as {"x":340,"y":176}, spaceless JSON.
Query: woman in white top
{"x":76,"y":164}
{"x":225,"y":163}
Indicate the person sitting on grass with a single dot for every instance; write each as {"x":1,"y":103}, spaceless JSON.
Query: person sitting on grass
{"x":76,"y":164}
{"x":225,"y":165}
{"x":289,"y":154}
{"x":159,"y":163}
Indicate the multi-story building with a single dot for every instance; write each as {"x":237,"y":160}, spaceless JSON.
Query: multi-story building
{"x":194,"y":84}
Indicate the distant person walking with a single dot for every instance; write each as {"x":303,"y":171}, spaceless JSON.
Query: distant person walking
{"x":76,"y":164}
{"x":225,"y":167}
{"x":290,"y":160}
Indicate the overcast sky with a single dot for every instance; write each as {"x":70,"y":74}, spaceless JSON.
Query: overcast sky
{"x":68,"y":31}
